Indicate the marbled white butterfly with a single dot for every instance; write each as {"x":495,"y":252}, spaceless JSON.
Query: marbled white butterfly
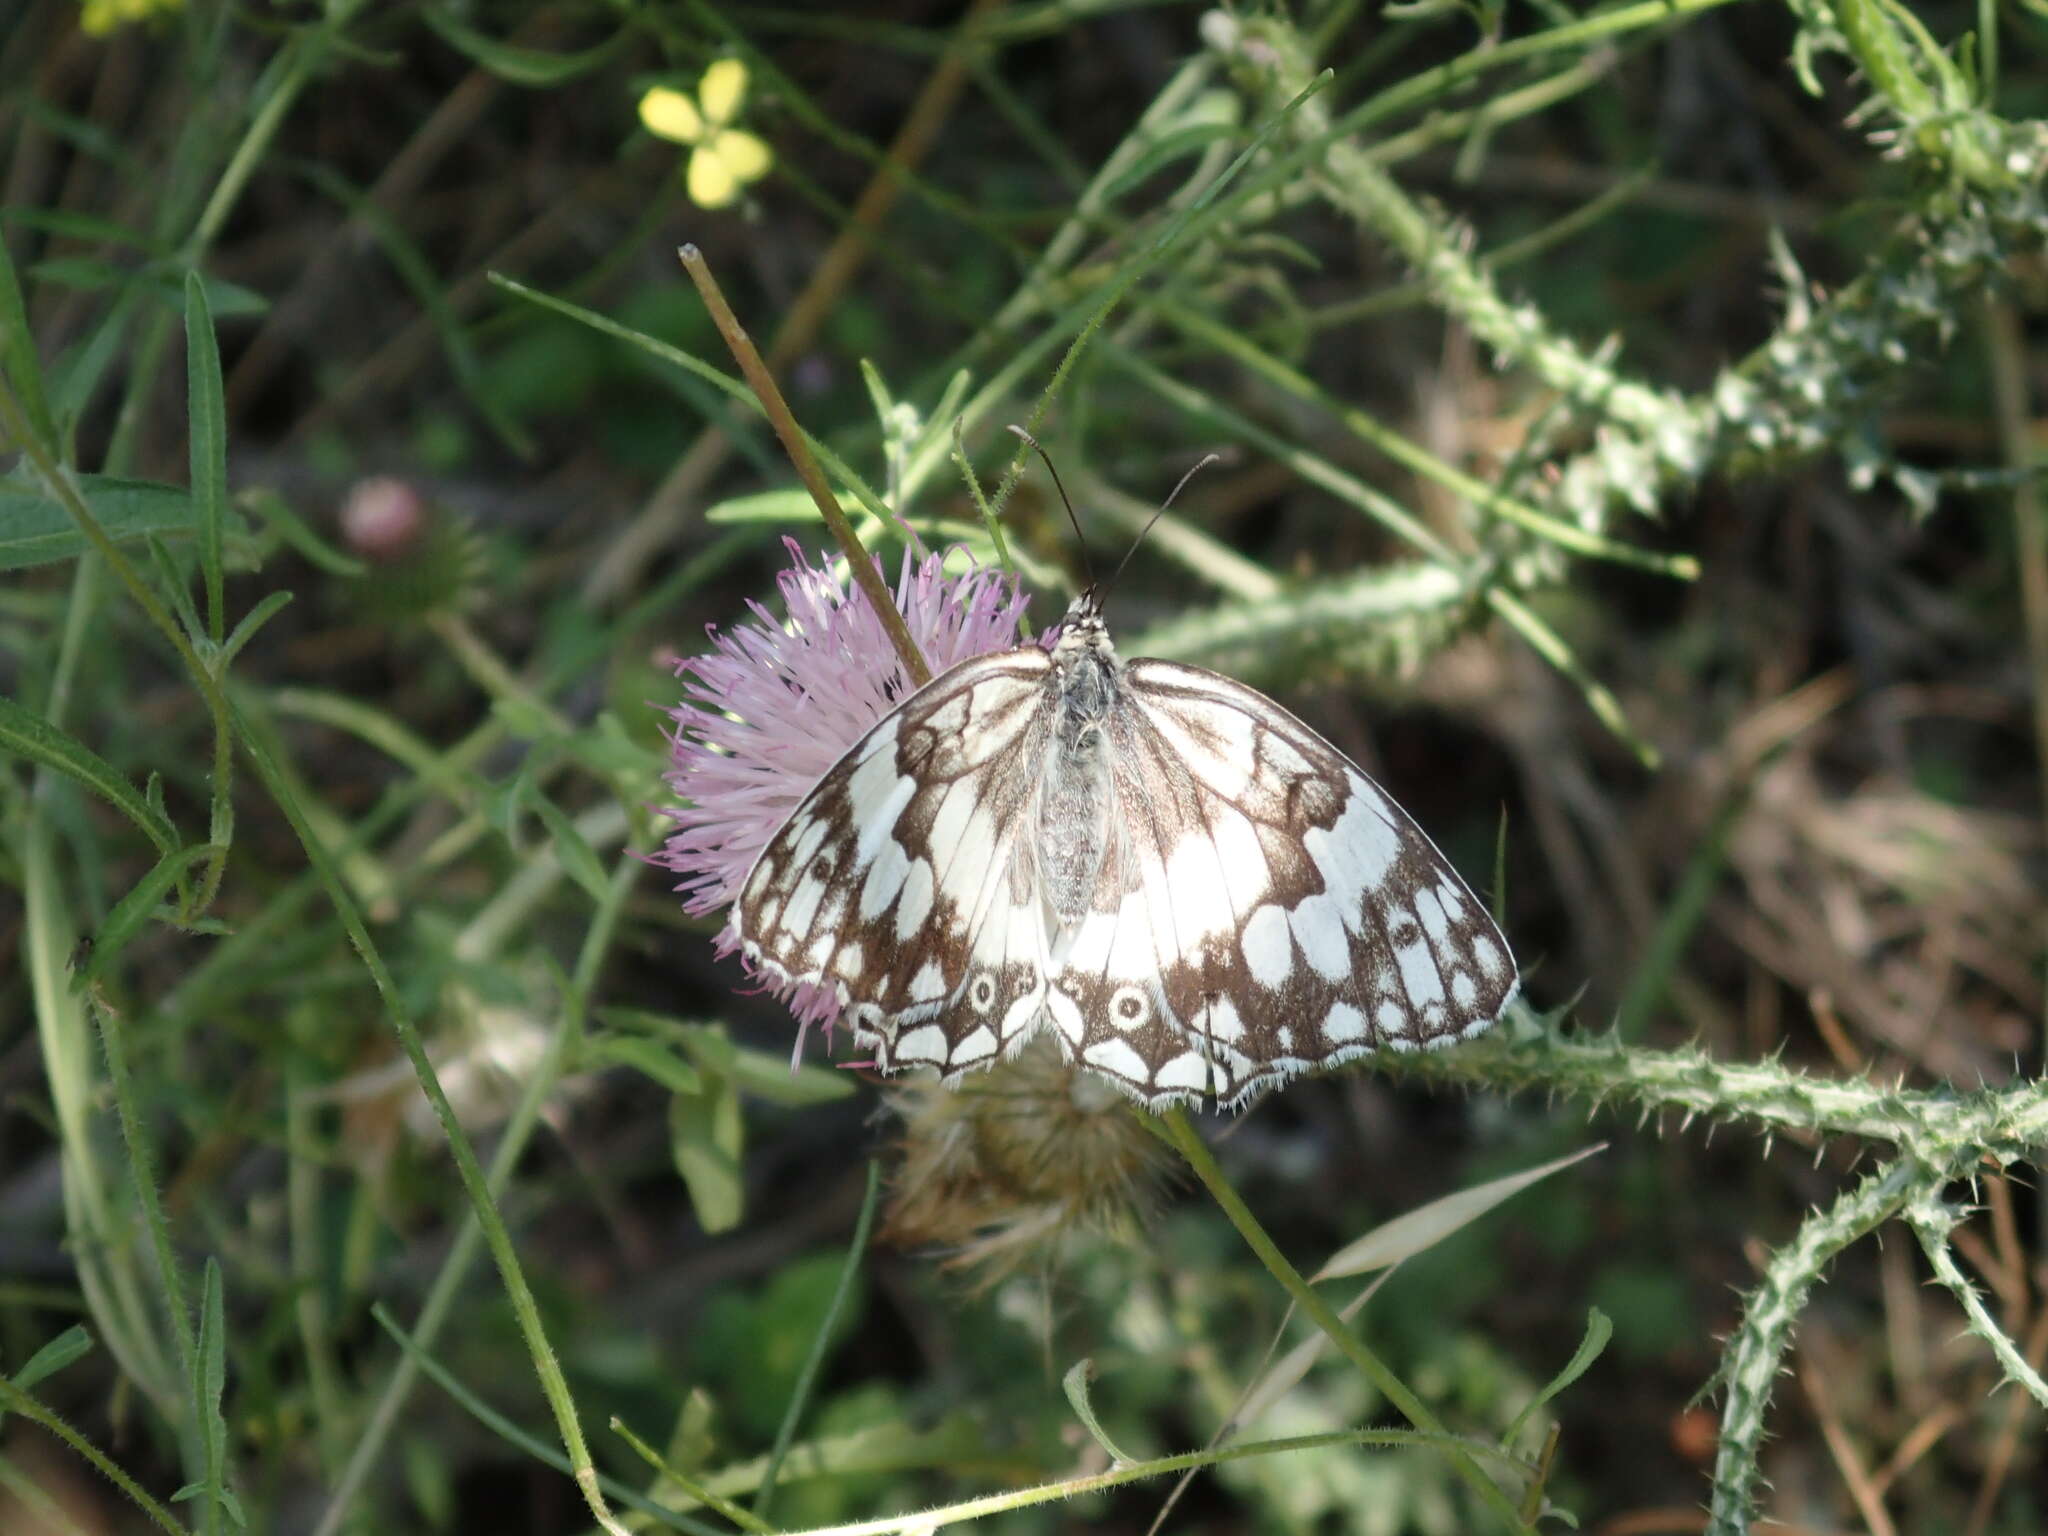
{"x":1193,"y":891}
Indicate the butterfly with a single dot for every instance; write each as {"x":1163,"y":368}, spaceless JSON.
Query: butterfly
{"x":1192,"y":891}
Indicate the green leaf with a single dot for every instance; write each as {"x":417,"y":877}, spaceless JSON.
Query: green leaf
{"x":135,"y":909}
{"x":1191,"y":137}
{"x":79,"y":226}
{"x":769,"y":1077}
{"x":210,"y":1374}
{"x":253,"y":620}
{"x":74,"y":1343}
{"x":1428,"y":1225}
{"x":534,"y":67}
{"x":1076,"y":1384}
{"x":705,"y":1135}
{"x":1599,"y":1329}
{"x":650,"y":1058}
{"x":29,"y":736}
{"x":81,"y":133}
{"x":88,"y":274}
{"x":574,"y":854}
{"x":224,"y":299}
{"x":18,"y":359}
{"x":878,"y":391}
{"x":271,"y":510}
{"x":37,"y":531}
{"x":781,"y":506}
{"x":207,"y":439}
{"x":162,"y":281}
{"x":709,"y":1047}
{"x":77,"y":373}
{"x":764,"y":1074}
{"x":177,"y":590}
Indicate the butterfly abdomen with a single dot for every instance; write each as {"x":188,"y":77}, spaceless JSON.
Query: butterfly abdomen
{"x":1078,"y":793}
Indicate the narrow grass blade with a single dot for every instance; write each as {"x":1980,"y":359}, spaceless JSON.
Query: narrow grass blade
{"x":207,"y":435}
{"x":535,"y":68}
{"x":807,"y":1379}
{"x":418,"y":274}
{"x":1428,"y":1225}
{"x":209,"y":1384}
{"x":18,"y":360}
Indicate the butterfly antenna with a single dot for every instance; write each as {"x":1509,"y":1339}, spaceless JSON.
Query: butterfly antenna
{"x":1193,"y":469}
{"x":1087,"y":564}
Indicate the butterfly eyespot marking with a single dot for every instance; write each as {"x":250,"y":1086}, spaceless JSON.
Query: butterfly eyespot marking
{"x":821,"y":867}
{"x":1129,"y":1007}
{"x":981,"y":994}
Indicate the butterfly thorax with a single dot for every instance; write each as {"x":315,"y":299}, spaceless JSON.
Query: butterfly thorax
{"x":1077,"y":792}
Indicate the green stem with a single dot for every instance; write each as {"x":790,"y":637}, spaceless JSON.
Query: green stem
{"x":554,"y":1385}
{"x":59,"y":486}
{"x":807,"y":1378}
{"x":1182,"y":1136}
{"x":14,"y":1400}
{"x":142,"y":1171}
{"x":442,"y":1293}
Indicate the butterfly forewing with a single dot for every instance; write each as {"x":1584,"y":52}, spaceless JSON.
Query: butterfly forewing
{"x":901,"y":881}
{"x":1259,"y":908}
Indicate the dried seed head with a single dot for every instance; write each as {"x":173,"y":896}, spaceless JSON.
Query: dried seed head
{"x":1002,"y":1168}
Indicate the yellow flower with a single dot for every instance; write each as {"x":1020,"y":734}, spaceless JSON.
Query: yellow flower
{"x":97,"y":18}
{"x":723,"y":159}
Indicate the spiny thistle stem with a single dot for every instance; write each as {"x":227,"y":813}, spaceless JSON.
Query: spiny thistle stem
{"x":1933,"y":1220}
{"x":1752,"y":1359}
{"x":1937,"y":1127}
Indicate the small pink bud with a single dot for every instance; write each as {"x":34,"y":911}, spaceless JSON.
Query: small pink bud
{"x":382,"y":518}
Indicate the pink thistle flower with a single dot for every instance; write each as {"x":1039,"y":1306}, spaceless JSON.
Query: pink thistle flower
{"x":772,"y":707}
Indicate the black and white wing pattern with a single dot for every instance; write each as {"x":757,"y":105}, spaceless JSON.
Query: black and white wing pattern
{"x":1193,"y":891}
{"x":1264,"y":908}
{"x":904,"y":880}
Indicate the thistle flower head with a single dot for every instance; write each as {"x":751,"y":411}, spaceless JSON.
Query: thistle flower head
{"x":1008,"y":1165}
{"x":775,"y":704}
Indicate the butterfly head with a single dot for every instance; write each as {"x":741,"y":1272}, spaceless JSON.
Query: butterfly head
{"x":1083,"y":628}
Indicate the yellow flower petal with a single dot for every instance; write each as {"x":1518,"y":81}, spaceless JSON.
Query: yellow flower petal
{"x":721,"y":89}
{"x":711,"y":182}
{"x":744,"y":155}
{"x":671,"y":115}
